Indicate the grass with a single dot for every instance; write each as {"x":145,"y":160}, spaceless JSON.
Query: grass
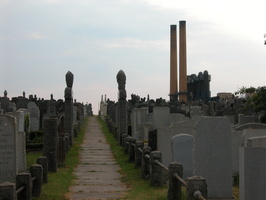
{"x":59,"y":182}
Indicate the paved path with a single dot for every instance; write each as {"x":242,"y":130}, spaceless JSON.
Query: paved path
{"x":97,"y":176}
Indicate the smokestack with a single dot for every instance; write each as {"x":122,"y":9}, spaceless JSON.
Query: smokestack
{"x":173,"y":64}
{"x":182,"y":62}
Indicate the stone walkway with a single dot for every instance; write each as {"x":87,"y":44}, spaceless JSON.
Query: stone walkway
{"x":97,"y":176}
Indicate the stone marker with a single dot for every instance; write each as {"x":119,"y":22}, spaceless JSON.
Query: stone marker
{"x":252,"y":176}
{"x":213,"y":155}
{"x":34,"y":113}
{"x":8,"y":157}
{"x":182,"y":150}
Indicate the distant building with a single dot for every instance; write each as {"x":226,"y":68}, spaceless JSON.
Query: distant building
{"x":199,"y":86}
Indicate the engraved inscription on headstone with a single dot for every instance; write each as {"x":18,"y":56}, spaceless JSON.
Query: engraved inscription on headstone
{"x":8,"y":169}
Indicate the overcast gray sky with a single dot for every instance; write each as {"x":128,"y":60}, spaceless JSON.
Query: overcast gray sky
{"x":40,"y":40}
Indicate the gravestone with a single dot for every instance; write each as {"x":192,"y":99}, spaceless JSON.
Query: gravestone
{"x":122,"y":122}
{"x":161,"y":117}
{"x":165,"y":135}
{"x":68,"y":123}
{"x":252,"y":176}
{"x":244,"y":119}
{"x":253,"y":125}
{"x":236,"y":144}
{"x":144,"y":129}
{"x":248,"y":133}
{"x":5,"y":102}
{"x":213,"y":155}
{"x":21,"y":140}
{"x":50,"y":143}
{"x":256,"y":141}
{"x":182,"y":150}
{"x":8,"y":154}
{"x":152,"y":142}
{"x":34,"y":114}
{"x":138,"y":116}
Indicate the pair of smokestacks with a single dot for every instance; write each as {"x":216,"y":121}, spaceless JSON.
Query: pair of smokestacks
{"x":181,"y":94}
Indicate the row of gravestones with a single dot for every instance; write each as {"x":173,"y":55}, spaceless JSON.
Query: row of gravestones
{"x":206,"y":146}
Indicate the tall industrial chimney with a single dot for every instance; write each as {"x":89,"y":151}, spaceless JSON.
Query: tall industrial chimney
{"x":173,"y":64}
{"x":182,"y":62}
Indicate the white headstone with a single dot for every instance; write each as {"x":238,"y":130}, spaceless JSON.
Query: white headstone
{"x":182,"y":151}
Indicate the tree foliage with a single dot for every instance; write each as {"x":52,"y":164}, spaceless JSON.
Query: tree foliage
{"x":257,"y":101}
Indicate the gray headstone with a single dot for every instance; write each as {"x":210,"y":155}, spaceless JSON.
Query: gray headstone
{"x":236,"y":144}
{"x":8,"y":153}
{"x":34,"y":113}
{"x":252,"y":176}
{"x":182,"y":150}
{"x":213,"y":155}
{"x":248,"y":133}
{"x":256,"y":141}
{"x":138,"y":116}
{"x":161,"y":117}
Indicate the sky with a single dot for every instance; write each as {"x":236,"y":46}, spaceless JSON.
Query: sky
{"x":41,"y":40}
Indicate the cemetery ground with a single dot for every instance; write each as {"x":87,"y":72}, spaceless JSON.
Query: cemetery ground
{"x":59,"y":182}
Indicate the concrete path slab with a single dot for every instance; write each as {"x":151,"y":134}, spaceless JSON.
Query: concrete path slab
{"x":97,"y":176}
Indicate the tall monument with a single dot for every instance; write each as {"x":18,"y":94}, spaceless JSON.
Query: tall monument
{"x":173,"y":64}
{"x":182,"y":62}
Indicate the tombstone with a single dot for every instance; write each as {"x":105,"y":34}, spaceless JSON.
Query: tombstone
{"x":256,"y":141}
{"x":143,"y":133}
{"x":34,"y":114}
{"x":182,"y":151}
{"x":236,"y":144}
{"x":213,"y":155}
{"x":50,"y":143}
{"x":8,"y":152}
{"x":21,"y":140}
{"x":165,"y":135}
{"x":122,"y":123}
{"x":252,"y":176}
{"x":244,"y":119}
{"x":138,"y":116}
{"x":5,"y":102}
{"x":69,"y":107}
{"x":253,"y":125}
{"x":152,"y":142}
{"x":177,"y":117}
{"x":12,"y":107}
{"x":248,"y":133}
{"x":161,"y":117}
{"x":51,"y":111}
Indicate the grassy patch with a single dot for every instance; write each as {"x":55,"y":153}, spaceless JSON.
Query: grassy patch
{"x":59,"y":182}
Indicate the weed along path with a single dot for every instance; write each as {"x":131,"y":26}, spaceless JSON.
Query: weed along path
{"x":97,"y":175}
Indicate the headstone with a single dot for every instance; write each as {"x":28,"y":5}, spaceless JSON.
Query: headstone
{"x":50,"y":143}
{"x":8,"y":154}
{"x":256,"y":141}
{"x":138,"y":116}
{"x":34,"y":113}
{"x":253,"y":125}
{"x":5,"y":102}
{"x":21,"y":140}
{"x":248,"y":133}
{"x":161,"y":117}
{"x":244,"y":119}
{"x":182,"y":151}
{"x":122,"y":123}
{"x":144,"y":129}
{"x":69,"y":107}
{"x":252,"y":176}
{"x":213,"y":155}
{"x":152,"y":142}
{"x":236,"y":144}
{"x":165,"y":135}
